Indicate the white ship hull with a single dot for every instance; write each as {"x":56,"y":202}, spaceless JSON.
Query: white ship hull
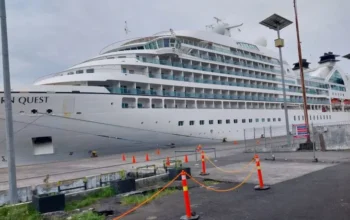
{"x":80,"y":123}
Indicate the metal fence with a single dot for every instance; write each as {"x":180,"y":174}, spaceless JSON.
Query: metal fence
{"x":326,"y":136}
{"x":269,"y":139}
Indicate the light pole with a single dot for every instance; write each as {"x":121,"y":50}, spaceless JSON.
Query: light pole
{"x":8,"y":107}
{"x":277,"y":23}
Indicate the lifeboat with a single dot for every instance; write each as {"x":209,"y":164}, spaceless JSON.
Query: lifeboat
{"x":336,"y":101}
{"x":347,"y":102}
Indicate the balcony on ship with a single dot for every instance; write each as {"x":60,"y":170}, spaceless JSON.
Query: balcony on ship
{"x":157,"y":103}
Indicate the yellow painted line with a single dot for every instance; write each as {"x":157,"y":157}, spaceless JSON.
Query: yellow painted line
{"x":258,"y":167}
{"x":185,"y":188}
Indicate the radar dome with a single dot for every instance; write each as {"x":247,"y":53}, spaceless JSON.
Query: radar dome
{"x":219,"y":29}
{"x":261,"y":42}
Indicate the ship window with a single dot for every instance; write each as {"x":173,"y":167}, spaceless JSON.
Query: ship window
{"x":160,"y":43}
{"x":314,"y":117}
{"x":181,"y":123}
{"x":70,"y":73}
{"x":124,"y":70}
{"x":201,"y":122}
{"x":279,"y":119}
{"x":227,"y":121}
{"x":243,"y":120}
{"x":153,"y":45}
{"x":269,"y":119}
{"x":324,"y":117}
{"x":298,"y":117}
{"x":256,"y":120}
{"x":219,"y":122}
{"x":330,"y":117}
{"x":295,"y":118}
{"x":235,"y":121}
{"x":250,"y":120}
{"x":302,"y":117}
{"x":110,"y":57}
{"x":166,"y":42}
{"x":263,"y":120}
{"x":211,"y":122}
{"x":90,"y":71}
{"x":336,"y":78}
{"x":191,"y":122}
{"x":274,"y":119}
{"x":79,"y":71}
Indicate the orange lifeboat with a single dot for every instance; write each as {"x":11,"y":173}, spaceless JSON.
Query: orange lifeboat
{"x":336,"y":101}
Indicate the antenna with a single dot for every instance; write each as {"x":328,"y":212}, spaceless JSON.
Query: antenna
{"x":217,"y":19}
{"x":172,"y":33}
{"x":126,"y":29}
{"x":232,"y":27}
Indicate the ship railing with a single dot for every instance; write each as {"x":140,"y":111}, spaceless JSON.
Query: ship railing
{"x":220,"y":82}
{"x":166,"y":62}
{"x":228,"y":51}
{"x":196,"y":67}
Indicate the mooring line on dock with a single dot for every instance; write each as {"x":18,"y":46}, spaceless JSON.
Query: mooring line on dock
{"x":229,"y":171}
{"x":222,"y":190}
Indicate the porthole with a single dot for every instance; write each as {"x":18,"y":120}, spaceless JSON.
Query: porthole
{"x":49,"y":111}
{"x":34,"y":111}
{"x":141,"y":122}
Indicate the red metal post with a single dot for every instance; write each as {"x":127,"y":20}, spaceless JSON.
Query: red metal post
{"x":186,"y":195}
{"x":257,"y":160}
{"x":168,"y":161}
{"x":186,"y":158}
{"x":204,"y":169}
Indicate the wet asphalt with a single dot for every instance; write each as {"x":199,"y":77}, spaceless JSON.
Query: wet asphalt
{"x":321,"y":195}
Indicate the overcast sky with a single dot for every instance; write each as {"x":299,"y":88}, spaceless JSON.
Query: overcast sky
{"x":48,"y":36}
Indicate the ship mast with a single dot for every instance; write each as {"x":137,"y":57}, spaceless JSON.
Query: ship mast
{"x":306,"y":117}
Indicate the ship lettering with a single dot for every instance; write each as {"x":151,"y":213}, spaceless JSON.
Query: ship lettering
{"x":27,"y":99}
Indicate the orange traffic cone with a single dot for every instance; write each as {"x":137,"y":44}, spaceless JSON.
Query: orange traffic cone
{"x":133,"y":159}
{"x":168,"y":161}
{"x":147,"y":157}
{"x":186,"y":159}
{"x":123,"y":157}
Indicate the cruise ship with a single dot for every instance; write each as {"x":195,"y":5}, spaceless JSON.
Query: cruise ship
{"x":173,"y":88}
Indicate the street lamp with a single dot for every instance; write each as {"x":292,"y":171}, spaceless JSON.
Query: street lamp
{"x":277,"y":23}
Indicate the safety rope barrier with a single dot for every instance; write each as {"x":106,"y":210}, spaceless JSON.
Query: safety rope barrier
{"x":222,"y":190}
{"x":227,"y":171}
{"x":194,"y":180}
{"x":148,"y":200}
